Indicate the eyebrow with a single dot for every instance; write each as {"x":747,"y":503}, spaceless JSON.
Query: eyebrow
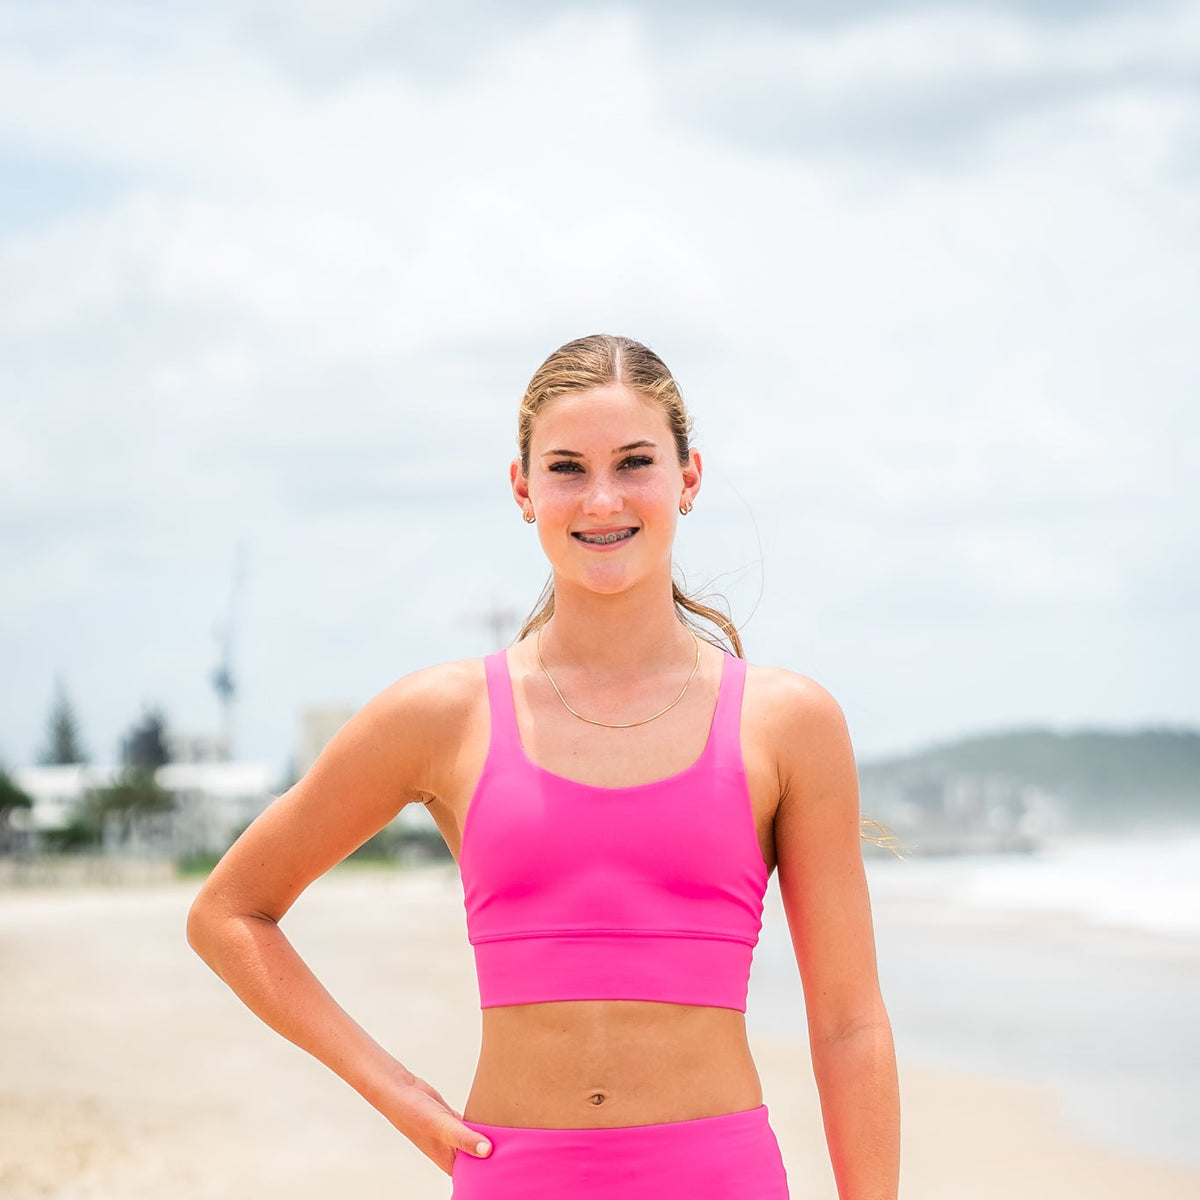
{"x":618,"y":450}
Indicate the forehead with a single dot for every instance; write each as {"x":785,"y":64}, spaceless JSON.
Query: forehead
{"x":601,"y":419}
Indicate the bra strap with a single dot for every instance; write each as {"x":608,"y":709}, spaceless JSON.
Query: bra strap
{"x":727,"y":718}
{"x":500,"y":701}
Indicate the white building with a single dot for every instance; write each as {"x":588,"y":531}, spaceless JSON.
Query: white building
{"x":317,"y":727}
{"x":57,"y":792}
{"x":214,"y":801}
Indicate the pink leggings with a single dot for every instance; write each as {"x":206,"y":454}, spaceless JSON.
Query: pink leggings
{"x":734,"y":1155}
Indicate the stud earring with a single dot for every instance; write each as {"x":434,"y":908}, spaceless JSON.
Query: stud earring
{"x":684,"y":509}
{"x":529,"y":517}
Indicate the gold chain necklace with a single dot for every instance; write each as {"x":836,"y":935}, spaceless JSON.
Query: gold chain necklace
{"x":609,"y":724}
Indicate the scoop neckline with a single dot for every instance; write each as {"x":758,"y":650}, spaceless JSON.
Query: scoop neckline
{"x":628,"y":787}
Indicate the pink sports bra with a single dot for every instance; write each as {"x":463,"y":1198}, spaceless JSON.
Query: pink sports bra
{"x":579,"y":892}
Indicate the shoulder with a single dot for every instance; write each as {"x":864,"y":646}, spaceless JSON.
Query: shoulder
{"x":415,"y":722}
{"x":443,"y":685}
{"x":431,"y":701}
{"x":790,"y":700}
{"x":800,"y":725}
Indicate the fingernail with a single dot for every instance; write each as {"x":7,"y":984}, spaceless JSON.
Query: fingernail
{"x":482,"y":1148}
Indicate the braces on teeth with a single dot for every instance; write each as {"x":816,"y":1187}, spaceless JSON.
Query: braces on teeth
{"x":606,"y":537}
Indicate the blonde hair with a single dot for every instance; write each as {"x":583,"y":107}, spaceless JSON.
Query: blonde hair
{"x":598,"y":361}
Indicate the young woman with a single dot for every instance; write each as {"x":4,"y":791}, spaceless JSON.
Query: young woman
{"x":617,"y":788}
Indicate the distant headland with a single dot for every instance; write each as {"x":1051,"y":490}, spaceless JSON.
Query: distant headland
{"x":1008,"y":789}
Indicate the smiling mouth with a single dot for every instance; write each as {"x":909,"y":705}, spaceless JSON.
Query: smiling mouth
{"x":605,"y":539}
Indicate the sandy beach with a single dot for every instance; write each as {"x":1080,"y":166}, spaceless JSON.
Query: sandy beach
{"x":129,"y":1072}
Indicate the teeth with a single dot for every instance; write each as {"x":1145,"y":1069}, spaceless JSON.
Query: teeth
{"x":606,"y":538}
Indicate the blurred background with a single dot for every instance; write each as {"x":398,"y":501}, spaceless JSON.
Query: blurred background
{"x":273,"y":277}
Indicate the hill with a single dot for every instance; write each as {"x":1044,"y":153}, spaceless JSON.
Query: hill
{"x":1093,"y":776}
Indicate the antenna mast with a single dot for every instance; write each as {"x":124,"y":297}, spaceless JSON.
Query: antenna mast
{"x":222,"y":678}
{"x":498,"y":621}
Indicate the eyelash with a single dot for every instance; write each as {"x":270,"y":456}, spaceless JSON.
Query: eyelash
{"x":566,"y":466}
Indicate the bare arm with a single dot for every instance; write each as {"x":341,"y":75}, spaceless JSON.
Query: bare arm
{"x":386,"y":756}
{"x":824,"y":891}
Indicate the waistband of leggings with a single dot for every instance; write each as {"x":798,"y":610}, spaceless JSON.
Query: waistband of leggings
{"x":695,"y":1127}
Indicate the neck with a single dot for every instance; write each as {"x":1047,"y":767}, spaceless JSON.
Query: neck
{"x":604,"y":634}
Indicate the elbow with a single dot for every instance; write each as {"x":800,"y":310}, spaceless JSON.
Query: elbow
{"x":865,"y":1048}
{"x":194,"y":929}
{"x":869,"y":1023}
{"x":874,"y":1032}
{"x":199,"y":928}
{"x":218,"y":931}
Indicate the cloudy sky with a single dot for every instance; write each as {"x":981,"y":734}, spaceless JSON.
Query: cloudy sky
{"x":274,"y":274}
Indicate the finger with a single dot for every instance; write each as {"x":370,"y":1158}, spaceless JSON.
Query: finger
{"x":452,"y":1132}
{"x":476,"y":1144}
{"x":443,"y":1153}
{"x":472,"y":1142}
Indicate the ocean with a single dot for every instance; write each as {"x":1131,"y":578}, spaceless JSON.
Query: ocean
{"x":1076,"y":967}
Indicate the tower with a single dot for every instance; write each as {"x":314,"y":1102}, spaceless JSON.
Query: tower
{"x":222,"y":678}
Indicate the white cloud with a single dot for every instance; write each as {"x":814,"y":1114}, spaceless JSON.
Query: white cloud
{"x":946,"y":395}
{"x":928,"y":86}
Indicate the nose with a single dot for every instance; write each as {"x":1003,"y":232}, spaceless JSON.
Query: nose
{"x":603,"y":497}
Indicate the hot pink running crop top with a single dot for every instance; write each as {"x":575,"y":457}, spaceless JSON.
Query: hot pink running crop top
{"x":580,"y":892}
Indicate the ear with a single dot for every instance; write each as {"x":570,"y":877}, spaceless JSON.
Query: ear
{"x":520,"y":485}
{"x":692,"y":470}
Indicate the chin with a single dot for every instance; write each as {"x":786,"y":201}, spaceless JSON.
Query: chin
{"x":603,"y":583}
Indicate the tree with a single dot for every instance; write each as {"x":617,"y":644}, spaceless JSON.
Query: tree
{"x":126,"y":802}
{"x":144,"y":746}
{"x":11,"y":798}
{"x":62,"y":732}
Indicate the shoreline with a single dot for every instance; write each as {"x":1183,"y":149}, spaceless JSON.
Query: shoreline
{"x":131,"y":1071}
{"x":963,"y":1134}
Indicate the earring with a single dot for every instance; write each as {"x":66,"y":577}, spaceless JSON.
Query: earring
{"x":684,"y":509}
{"x":529,"y":517}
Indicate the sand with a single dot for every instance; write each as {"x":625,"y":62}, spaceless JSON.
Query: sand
{"x":129,"y":1072}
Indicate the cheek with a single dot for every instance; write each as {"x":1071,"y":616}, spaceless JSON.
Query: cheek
{"x":551,"y":495}
{"x":652,"y":488}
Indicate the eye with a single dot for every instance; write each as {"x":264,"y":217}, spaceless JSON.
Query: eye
{"x":638,"y":460}
{"x":565,"y":466}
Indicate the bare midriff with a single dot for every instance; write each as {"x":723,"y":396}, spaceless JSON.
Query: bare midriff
{"x":591,"y":1064}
